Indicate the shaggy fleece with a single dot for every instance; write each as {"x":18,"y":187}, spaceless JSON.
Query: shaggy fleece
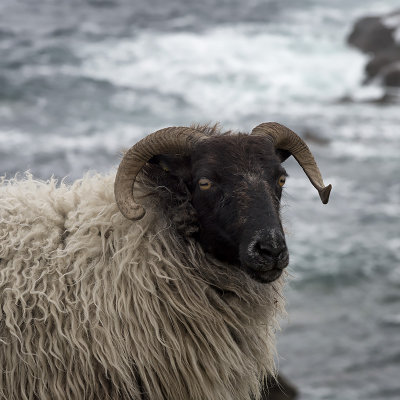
{"x":94,"y":306}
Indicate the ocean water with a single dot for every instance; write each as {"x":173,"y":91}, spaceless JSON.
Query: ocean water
{"x":82,"y":80}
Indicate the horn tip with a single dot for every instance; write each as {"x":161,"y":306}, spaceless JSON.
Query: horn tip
{"x":133,"y":214}
{"x":324,"y":194}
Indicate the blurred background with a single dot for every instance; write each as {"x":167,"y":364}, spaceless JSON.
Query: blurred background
{"x":81,"y":80}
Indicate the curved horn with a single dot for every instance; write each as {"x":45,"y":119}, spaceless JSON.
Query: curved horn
{"x":173,"y":140}
{"x":284,"y":138}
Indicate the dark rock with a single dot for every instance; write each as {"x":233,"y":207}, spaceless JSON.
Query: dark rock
{"x":381,"y":60}
{"x":371,"y":35}
{"x":345,"y":99}
{"x":388,"y":97}
{"x":281,"y":389}
{"x":314,"y":137}
{"x":377,"y":36}
{"x":392,"y":75}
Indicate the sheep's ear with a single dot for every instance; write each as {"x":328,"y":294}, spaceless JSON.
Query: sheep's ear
{"x":176,"y":165}
{"x":283,"y":155}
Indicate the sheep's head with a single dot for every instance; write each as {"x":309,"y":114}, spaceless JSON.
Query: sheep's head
{"x":235,"y":185}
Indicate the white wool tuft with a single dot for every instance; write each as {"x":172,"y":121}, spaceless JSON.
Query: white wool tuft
{"x":94,"y":306}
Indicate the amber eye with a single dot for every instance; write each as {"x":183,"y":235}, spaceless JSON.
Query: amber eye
{"x":281,"y":180}
{"x":204,"y":184}
{"x":164,"y":167}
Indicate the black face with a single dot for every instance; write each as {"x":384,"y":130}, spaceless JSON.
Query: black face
{"x":236,"y":186}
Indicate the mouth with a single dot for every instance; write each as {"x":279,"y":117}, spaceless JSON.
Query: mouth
{"x":266,"y":273}
{"x":267,"y":276}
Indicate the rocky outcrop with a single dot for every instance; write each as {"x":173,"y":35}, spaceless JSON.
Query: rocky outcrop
{"x":379,"y":36}
{"x":381,"y":61}
{"x":281,"y":389}
{"x":371,"y":35}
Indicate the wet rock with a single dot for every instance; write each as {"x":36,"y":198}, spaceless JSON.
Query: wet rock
{"x":392,"y":75}
{"x":281,"y":389}
{"x":370,"y":34}
{"x":381,"y":60}
{"x":314,"y":137}
{"x":379,"y":36}
{"x":389,"y":97}
{"x":345,"y":99}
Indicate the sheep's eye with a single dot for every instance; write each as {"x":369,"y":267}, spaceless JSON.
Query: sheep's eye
{"x":164,"y":167}
{"x":205,"y":184}
{"x":281,"y":180}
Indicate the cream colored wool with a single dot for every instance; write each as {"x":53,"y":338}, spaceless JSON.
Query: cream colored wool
{"x":94,"y":306}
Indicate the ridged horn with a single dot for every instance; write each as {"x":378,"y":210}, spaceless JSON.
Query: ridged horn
{"x":173,"y":140}
{"x":285,"y":139}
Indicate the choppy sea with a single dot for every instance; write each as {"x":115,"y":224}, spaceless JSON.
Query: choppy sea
{"x":81,"y":80}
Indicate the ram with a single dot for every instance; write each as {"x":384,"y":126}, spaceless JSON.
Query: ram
{"x":162,"y":282}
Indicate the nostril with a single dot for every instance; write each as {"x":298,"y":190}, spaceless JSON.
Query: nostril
{"x":266,"y":252}
{"x":270,"y":249}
